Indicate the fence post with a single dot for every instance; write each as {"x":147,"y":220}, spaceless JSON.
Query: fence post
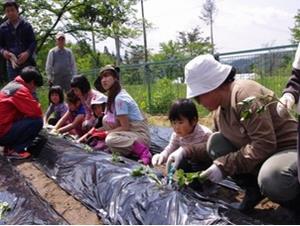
{"x":148,"y":81}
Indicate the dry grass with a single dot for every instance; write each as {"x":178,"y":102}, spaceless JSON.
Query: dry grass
{"x":162,"y":120}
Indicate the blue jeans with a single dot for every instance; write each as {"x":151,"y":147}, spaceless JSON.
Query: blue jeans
{"x":22,"y":133}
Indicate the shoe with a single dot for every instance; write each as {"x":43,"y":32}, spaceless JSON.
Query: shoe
{"x":142,"y":152}
{"x":252,"y":197}
{"x":18,"y":155}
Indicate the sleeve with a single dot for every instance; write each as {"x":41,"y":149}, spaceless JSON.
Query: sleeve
{"x":293,"y":85}
{"x":49,"y":111}
{"x":198,"y":151}
{"x":26,"y":104}
{"x":31,"y":39}
{"x":73,"y":63}
{"x":263,"y":143}
{"x":173,"y":144}
{"x":49,"y":64}
{"x":121,"y":106}
{"x":2,"y":41}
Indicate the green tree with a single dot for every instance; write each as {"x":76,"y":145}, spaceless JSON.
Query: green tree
{"x":296,"y":29}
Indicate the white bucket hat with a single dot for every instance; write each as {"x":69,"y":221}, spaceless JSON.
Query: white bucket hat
{"x":204,"y":74}
{"x":99,"y":99}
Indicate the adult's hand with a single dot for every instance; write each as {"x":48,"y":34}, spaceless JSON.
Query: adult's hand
{"x":22,"y":57}
{"x":286,"y":103}
{"x":213,"y":173}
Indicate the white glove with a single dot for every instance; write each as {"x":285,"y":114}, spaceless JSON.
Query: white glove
{"x":287,"y":102}
{"x":158,"y":159}
{"x":175,"y":158}
{"x":296,"y":63}
{"x":213,"y":173}
{"x":13,"y":59}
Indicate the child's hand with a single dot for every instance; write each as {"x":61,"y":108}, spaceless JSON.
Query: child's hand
{"x":158,"y":159}
{"x":54,"y":131}
{"x":175,"y":158}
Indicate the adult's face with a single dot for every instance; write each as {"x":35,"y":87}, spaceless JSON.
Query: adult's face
{"x":107,"y":80}
{"x":12,"y":14}
{"x":211,"y":100}
{"x":60,"y":42}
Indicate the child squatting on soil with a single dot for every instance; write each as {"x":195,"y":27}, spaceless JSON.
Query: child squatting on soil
{"x":188,"y":141}
{"x":72,"y":120}
{"x":128,"y":131}
{"x":57,"y":107}
{"x":95,"y":137}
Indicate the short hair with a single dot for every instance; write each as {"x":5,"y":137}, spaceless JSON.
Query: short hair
{"x":9,"y":3}
{"x":30,"y":73}
{"x":59,"y":91}
{"x":71,"y":97}
{"x":183,"y":108}
{"x":81,"y":82}
{"x":231,"y":76}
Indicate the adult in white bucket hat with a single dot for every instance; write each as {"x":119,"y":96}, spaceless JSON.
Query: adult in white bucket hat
{"x":258,"y":152}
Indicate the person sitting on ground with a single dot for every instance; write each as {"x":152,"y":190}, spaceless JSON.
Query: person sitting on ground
{"x":71,"y":121}
{"x":259,"y":153}
{"x":96,"y":136}
{"x":187,"y":146}
{"x":57,"y":107}
{"x":82,"y":88}
{"x":21,"y":114}
{"x":128,"y":132}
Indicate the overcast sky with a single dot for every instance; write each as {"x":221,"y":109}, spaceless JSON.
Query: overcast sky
{"x":239,"y":24}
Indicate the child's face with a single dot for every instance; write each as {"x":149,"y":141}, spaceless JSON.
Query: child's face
{"x":54,"y":98}
{"x":77,"y":92}
{"x":97,"y":109}
{"x":72,"y":106}
{"x":183,"y":126}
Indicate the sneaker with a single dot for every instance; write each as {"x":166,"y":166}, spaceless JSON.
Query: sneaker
{"x":18,"y":155}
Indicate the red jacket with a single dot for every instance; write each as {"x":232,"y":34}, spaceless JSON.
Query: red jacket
{"x":16,"y":102}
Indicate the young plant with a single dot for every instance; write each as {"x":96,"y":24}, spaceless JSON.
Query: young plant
{"x":4,"y":207}
{"x":184,"y":179}
{"x":256,"y":104}
{"x":146,"y":171}
{"x":115,"y":157}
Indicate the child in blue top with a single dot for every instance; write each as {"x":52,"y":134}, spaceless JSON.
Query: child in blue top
{"x":57,"y":107}
{"x":72,"y":120}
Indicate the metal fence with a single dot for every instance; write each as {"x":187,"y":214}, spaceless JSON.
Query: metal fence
{"x":156,"y":84}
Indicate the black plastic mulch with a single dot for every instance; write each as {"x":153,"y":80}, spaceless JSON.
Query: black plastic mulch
{"x":26,"y":207}
{"x":107,"y":188}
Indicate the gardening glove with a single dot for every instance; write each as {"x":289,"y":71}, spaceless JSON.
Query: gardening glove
{"x":175,"y":158}
{"x":158,"y":159}
{"x":296,"y":63}
{"x":213,"y":173}
{"x":287,"y":101}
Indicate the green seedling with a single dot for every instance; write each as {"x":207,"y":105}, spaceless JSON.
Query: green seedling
{"x":115,"y":157}
{"x":256,"y":104}
{"x":184,"y":179}
{"x":4,"y":207}
{"x":145,"y":171}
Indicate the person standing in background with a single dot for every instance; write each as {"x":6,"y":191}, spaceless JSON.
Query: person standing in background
{"x":60,"y":65}
{"x":17,"y":40}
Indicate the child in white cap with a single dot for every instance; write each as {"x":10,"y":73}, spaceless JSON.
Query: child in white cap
{"x":95,"y":137}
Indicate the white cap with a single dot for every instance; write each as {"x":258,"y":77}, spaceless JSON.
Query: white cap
{"x":99,"y":99}
{"x":59,"y":35}
{"x":204,"y":74}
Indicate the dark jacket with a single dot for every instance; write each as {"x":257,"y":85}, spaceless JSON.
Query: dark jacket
{"x":18,"y":40}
